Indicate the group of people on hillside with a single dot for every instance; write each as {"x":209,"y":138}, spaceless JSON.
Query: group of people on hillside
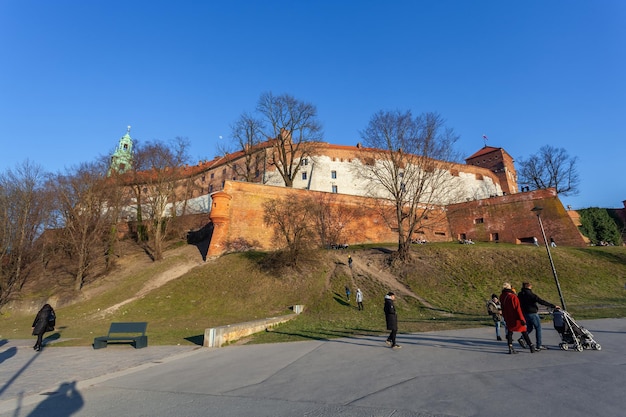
{"x":518,"y":313}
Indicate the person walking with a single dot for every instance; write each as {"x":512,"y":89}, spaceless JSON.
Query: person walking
{"x":359,"y":299}
{"x":348,"y":293}
{"x":350,"y":261}
{"x":513,"y":316}
{"x":529,"y":300}
{"x":392,"y":320}
{"x":44,"y":322}
{"x":495,"y":310}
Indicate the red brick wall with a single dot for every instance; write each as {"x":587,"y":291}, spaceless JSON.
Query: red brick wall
{"x":512,"y":219}
{"x":238,"y":213}
{"x":243,"y":209}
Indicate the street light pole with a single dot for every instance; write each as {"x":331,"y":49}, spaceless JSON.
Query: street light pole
{"x":545,"y":241}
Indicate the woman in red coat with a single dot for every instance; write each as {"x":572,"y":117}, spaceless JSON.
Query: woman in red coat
{"x":513,"y":316}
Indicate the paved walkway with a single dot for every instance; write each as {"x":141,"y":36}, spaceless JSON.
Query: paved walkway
{"x":447,"y":373}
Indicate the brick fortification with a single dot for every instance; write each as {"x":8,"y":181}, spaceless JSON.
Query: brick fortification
{"x":509,"y":219}
{"x":237,"y":213}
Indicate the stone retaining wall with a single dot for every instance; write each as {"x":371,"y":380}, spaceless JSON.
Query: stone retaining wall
{"x":219,"y":336}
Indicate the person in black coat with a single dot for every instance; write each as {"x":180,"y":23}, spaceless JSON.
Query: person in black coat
{"x":529,"y":300}
{"x":44,"y":322}
{"x":392,"y":319}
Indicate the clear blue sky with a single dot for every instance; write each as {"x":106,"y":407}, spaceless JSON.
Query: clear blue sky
{"x":74,"y":74}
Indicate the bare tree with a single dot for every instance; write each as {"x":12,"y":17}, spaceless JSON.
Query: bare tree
{"x":157,"y":172}
{"x":291,"y":224}
{"x":24,"y":213}
{"x":247,"y":132}
{"x":83,"y":197}
{"x":293,"y":126}
{"x":550,"y":168}
{"x":329,"y":219}
{"x":406,"y":166}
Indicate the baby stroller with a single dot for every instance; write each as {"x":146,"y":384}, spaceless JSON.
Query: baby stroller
{"x":572,"y":333}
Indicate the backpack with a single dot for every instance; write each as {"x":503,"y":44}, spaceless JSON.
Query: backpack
{"x":52,"y":321}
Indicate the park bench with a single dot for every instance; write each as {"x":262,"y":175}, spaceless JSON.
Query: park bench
{"x":130,"y":332}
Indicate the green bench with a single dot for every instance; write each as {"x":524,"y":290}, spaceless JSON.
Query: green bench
{"x":130,"y":332}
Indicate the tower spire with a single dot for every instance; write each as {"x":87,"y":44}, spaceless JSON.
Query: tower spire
{"x":122,"y":158}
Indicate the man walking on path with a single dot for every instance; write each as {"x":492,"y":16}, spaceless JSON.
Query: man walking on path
{"x":392,"y":319}
{"x":528,"y":300}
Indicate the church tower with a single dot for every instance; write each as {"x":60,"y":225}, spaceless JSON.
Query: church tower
{"x":122,"y":158}
{"x":499,"y":162}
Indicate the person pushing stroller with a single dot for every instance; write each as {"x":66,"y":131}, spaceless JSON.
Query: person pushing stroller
{"x":529,"y":300}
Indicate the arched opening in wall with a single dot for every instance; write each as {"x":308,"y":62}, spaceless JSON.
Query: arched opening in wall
{"x":494,"y":237}
{"x":525,"y":240}
{"x":201,"y":239}
{"x":462,"y":236}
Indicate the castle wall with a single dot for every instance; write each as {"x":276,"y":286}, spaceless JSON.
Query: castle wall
{"x":510,"y":219}
{"x":238,"y":213}
{"x":244,"y":211}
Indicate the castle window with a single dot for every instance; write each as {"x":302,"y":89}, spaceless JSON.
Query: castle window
{"x":211,"y":188}
{"x":440,"y":233}
{"x":333,"y":174}
{"x":479,"y":220}
{"x":304,"y":175}
{"x":212,"y":175}
{"x":304,"y":162}
{"x":203,"y":178}
{"x":335,"y":189}
{"x":224,"y":172}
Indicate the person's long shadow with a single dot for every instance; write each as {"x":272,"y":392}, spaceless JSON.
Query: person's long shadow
{"x":64,"y":402}
{"x":12,"y":351}
{"x":7,"y":354}
{"x":8,"y":383}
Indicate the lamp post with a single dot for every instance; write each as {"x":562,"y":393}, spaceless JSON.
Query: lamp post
{"x":545,"y":241}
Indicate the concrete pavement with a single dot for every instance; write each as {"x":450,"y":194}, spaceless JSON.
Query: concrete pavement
{"x":446,"y":373}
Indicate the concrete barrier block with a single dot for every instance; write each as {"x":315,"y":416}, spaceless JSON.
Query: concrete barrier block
{"x":219,"y":336}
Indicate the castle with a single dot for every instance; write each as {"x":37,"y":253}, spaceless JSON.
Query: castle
{"x":488,"y":206}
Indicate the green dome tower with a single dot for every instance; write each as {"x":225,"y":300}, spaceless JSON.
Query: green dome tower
{"x":122,"y":158}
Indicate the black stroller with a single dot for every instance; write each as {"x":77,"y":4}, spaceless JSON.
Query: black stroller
{"x":572,"y":333}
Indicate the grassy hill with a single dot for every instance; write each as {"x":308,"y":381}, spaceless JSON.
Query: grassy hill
{"x":446,"y":286}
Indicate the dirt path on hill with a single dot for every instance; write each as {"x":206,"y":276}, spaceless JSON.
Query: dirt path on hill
{"x":192,"y":260}
{"x":369,"y":264}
